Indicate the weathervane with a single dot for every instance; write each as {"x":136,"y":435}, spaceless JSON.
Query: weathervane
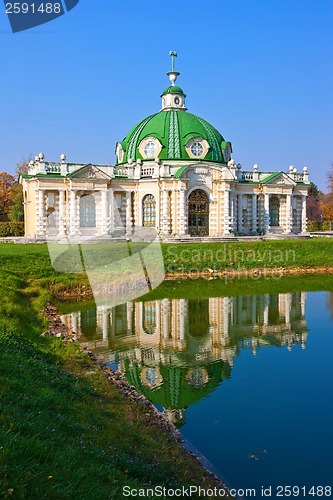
{"x":173,"y":74}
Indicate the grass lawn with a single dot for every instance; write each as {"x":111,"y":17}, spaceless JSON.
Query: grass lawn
{"x":65,"y":431}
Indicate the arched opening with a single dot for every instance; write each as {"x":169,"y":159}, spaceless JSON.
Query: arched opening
{"x":198,"y":213}
{"x":149,"y":317}
{"x":87,"y":211}
{"x":149,"y":211}
{"x":89,"y":322}
{"x":198,"y":317}
{"x":274,"y":211}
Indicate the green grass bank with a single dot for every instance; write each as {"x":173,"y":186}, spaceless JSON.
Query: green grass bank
{"x":65,"y":431}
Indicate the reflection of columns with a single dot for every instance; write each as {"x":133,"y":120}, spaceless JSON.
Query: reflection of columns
{"x":226,"y":229}
{"x":304,"y":219}
{"x":303,"y":298}
{"x":287,"y":304}
{"x":129,"y":308}
{"x":165,"y":211}
{"x":105,"y":314}
{"x":75,"y":322}
{"x":254,"y":214}
{"x":62,"y":215}
{"x":254,"y":309}
{"x":266,"y":213}
{"x":182,"y":313}
{"x":240,"y":213}
{"x":41,"y":212}
{"x":105,"y":219}
{"x":73,"y":213}
{"x":182,"y":211}
{"x":225,"y":317}
{"x":128,"y":212}
{"x":266,"y":310}
{"x":165,"y":318}
{"x":288,"y":213}
{"x":112,"y":323}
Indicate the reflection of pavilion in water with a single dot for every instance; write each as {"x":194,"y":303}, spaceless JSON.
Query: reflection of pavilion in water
{"x":176,"y":351}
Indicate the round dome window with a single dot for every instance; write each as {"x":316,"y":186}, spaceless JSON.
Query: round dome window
{"x":150,"y":150}
{"x":197,"y":149}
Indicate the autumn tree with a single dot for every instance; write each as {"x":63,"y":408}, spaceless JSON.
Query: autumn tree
{"x":327,"y":200}
{"x":16,"y":212}
{"x":6,"y":190}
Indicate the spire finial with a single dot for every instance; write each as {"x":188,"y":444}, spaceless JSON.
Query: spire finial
{"x":173,"y":54}
{"x":173,"y":74}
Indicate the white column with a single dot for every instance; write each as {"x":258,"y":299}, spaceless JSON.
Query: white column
{"x":62,"y":213}
{"x":266,"y":213}
{"x":41,"y":213}
{"x":182,"y":225}
{"x":111,"y":210}
{"x":304,"y":219}
{"x":254,"y":214}
{"x":226,"y":204}
{"x":128,"y":213}
{"x":233,"y":211}
{"x":165,"y":211}
{"x":288,"y":213}
{"x":73,"y":213}
{"x":240,"y":213}
{"x":104,"y":212}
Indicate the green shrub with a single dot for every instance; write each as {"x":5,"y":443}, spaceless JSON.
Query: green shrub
{"x":325,"y":225}
{"x":11,"y":229}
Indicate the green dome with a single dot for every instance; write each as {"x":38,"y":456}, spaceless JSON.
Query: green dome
{"x":173,"y":89}
{"x":174,"y":129}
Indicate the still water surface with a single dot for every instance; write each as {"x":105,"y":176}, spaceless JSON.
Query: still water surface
{"x":248,"y":379}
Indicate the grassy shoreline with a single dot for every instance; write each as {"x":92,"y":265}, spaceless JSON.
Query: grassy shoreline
{"x":65,"y":430}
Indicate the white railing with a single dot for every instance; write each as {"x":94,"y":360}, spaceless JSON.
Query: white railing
{"x":121,"y":171}
{"x":247,"y":176}
{"x":147,"y":171}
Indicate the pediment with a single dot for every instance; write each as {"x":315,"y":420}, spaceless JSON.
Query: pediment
{"x":90,"y":172}
{"x":279,"y":180}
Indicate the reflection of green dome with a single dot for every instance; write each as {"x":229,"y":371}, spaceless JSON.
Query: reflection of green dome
{"x":173,"y":129}
{"x":176,"y":390}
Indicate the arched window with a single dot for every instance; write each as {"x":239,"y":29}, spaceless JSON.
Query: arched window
{"x":87,"y":211}
{"x":274,"y":211}
{"x":149,"y":211}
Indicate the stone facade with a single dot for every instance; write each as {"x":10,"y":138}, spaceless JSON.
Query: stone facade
{"x":173,"y":173}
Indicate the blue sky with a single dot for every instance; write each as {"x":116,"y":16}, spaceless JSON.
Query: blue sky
{"x":259,"y":70}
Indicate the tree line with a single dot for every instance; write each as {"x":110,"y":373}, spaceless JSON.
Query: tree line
{"x":319,"y":204}
{"x":11,"y":195}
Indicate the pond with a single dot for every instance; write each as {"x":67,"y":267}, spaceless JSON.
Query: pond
{"x":246,"y":378}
